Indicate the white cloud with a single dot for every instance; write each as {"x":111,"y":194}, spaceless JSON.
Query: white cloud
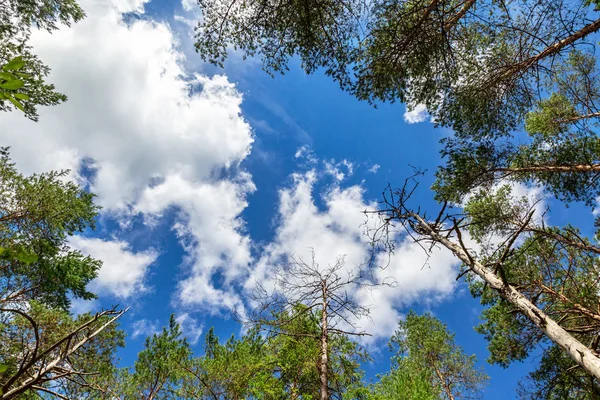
{"x":417,"y":114}
{"x":189,"y":327}
{"x":337,"y":230}
{"x":126,"y":6}
{"x":306,"y":154}
{"x":154,"y":136}
{"x":336,"y":169}
{"x":144,"y":327}
{"x":188,"y":5}
{"x":374,"y":168}
{"x":412,"y":276}
{"x":123,"y":272}
{"x":596,"y":208}
{"x":188,"y":22}
{"x":81,"y":306}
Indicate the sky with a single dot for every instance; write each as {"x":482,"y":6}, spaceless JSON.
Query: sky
{"x":209,"y":177}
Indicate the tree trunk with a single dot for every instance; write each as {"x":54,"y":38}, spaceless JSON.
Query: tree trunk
{"x":443,"y":381}
{"x":581,"y":354}
{"x":41,"y":373}
{"x":552,"y":168}
{"x":454,"y":20}
{"x":579,"y":118}
{"x":555,"y":48}
{"x":580,"y":244}
{"x":323,"y":373}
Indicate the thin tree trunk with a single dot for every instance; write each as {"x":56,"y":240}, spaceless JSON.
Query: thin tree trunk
{"x":556,"y":47}
{"x":324,"y":345}
{"x":566,"y":241}
{"x":443,"y":382}
{"x":34,"y":378}
{"x":584,"y":310}
{"x":579,"y":118}
{"x":580,"y":353}
{"x":466,"y":7}
{"x":552,"y":168}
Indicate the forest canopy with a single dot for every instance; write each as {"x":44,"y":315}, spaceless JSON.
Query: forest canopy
{"x":515,"y":81}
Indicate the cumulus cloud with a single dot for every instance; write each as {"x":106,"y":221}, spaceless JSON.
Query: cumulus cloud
{"x":152,"y":136}
{"x":417,"y":114}
{"x":212,"y":231}
{"x":156,"y":138}
{"x":123,"y":271}
{"x":337,"y":229}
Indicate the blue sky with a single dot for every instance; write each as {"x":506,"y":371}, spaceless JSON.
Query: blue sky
{"x":207,"y":177}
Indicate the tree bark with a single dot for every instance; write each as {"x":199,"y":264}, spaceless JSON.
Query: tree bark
{"x":552,"y":168}
{"x":324,"y":395}
{"x":580,"y":353}
{"x":454,"y":20}
{"x":579,"y":118}
{"x":556,"y":47}
{"x":581,"y":245}
{"x":41,"y":373}
{"x":443,"y":381}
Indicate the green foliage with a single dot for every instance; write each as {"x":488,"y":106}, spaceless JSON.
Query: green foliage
{"x":557,"y":378}
{"x":561,"y":279}
{"x":17,"y":255}
{"x":253,"y":366}
{"x":37,"y":215}
{"x":423,"y":340}
{"x":157,"y":373}
{"x":31,"y":341}
{"x":271,"y":367}
{"x":11,"y":80}
{"x":475,"y":66}
{"x":296,"y":350}
{"x":322,"y":32}
{"x":521,"y":92}
{"x":427,"y":364}
{"x":494,"y":211}
{"x":547,"y":119}
{"x":406,"y":381}
{"x":22,"y":80}
{"x":237,"y":369}
{"x":560,"y":132}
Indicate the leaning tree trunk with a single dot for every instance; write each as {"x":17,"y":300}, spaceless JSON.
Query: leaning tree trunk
{"x":555,"y":48}
{"x":323,"y":372}
{"x":551,"y":168}
{"x":580,"y":353}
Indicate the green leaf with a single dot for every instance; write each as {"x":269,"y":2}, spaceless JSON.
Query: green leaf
{"x":14,"y":64}
{"x":12,"y":85}
{"x":16,"y":103}
{"x":7,"y":76}
{"x":21,"y":96}
{"x":24,"y":75}
{"x":27,"y":258}
{"x":3,"y":369}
